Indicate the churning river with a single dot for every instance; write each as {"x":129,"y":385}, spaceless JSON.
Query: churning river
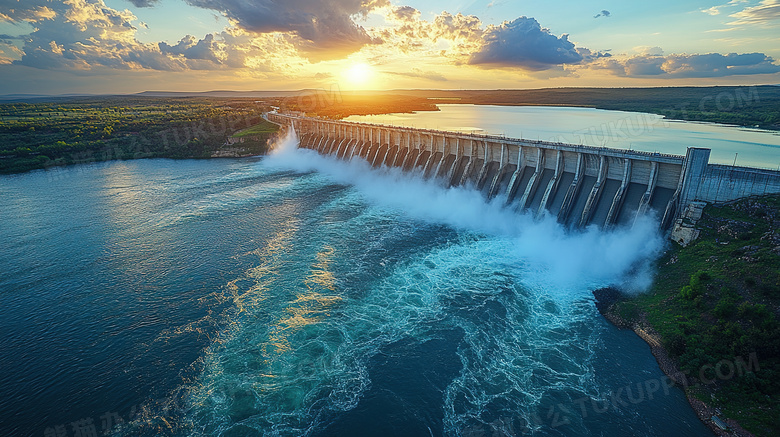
{"x":302,"y":295}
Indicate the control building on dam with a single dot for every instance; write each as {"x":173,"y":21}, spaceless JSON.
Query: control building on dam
{"x":581,"y":185}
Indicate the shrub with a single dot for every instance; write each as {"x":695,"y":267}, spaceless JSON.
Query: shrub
{"x":687,"y":292}
{"x":725,"y":308}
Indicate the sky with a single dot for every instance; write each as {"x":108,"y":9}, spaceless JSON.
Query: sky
{"x":127,"y":46}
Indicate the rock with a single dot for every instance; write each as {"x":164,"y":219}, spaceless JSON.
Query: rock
{"x":605,"y":301}
{"x":749,"y":250}
{"x":694,"y":211}
{"x":732,"y":229}
{"x":684,"y":233}
{"x":605,"y":297}
{"x":773,"y":237}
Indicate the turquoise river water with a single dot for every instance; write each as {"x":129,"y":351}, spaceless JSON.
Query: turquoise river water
{"x":296,"y":294}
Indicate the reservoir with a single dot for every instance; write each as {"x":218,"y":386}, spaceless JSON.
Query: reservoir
{"x":599,"y":128}
{"x":297,"y":294}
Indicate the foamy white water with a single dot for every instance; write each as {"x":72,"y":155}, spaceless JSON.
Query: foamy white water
{"x":555,"y":257}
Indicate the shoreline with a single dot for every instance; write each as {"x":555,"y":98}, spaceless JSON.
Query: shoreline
{"x":606,"y":298}
{"x":215,"y":155}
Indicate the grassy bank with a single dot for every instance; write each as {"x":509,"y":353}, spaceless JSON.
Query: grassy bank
{"x":262,"y":129}
{"x":715,"y":306}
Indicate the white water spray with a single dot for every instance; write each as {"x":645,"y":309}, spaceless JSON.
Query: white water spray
{"x":555,"y":257}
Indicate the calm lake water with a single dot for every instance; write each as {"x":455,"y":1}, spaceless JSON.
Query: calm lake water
{"x":298,"y":295}
{"x":600,"y":128}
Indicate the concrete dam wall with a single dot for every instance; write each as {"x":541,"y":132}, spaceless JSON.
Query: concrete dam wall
{"x":580,"y":185}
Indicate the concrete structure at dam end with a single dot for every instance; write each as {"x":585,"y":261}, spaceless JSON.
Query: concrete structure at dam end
{"x":580,"y":185}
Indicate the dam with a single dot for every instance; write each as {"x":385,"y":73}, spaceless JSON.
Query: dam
{"x":580,"y":185}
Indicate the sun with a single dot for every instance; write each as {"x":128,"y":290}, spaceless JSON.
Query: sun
{"x":358,"y":75}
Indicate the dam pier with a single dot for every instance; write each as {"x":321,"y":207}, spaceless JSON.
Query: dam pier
{"x":580,"y":185}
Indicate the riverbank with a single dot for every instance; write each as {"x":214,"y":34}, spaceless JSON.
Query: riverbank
{"x":711,"y":318}
{"x":43,"y":135}
{"x":748,"y":106}
{"x":667,"y":364}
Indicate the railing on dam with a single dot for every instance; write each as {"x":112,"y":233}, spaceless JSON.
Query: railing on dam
{"x":580,"y":185}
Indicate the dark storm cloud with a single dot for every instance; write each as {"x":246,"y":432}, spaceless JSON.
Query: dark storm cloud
{"x":524,"y":43}
{"x":322,"y":25}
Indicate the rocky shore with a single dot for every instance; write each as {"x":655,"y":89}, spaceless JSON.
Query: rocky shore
{"x":233,"y":152}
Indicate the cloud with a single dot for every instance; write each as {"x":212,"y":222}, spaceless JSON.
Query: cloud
{"x":457,"y":27}
{"x":320,"y":29}
{"x":85,"y":35}
{"x":449,"y":37}
{"x":206,"y":49}
{"x":524,"y":43}
{"x":689,"y":66}
{"x":765,"y":14}
{"x":603,"y":13}
{"x":326,"y":28}
{"x":463,"y":40}
{"x":590,"y":56}
{"x":416,"y":72}
{"x":644,"y":65}
{"x":8,"y":51}
{"x":143,"y":3}
{"x":611,"y":65}
{"x":715,"y":10}
{"x":719,"y":65}
{"x":649,"y":51}
{"x":82,"y":33}
{"x":28,"y":10}
{"x":405,"y":13}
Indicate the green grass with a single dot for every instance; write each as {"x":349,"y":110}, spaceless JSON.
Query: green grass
{"x":263,"y":128}
{"x":718,"y":299}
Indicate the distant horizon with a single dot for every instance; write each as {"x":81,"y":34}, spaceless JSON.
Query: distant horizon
{"x":294,"y":91}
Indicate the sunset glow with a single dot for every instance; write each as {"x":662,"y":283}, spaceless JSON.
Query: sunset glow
{"x":358,"y":76}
